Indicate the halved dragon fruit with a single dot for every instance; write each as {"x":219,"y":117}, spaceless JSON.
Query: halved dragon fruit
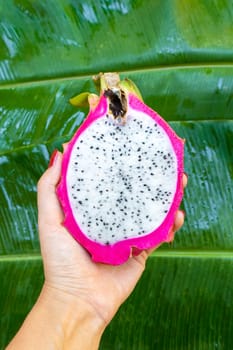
{"x":121,"y":181}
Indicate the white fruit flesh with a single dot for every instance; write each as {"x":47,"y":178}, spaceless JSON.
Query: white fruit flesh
{"x":121,"y":178}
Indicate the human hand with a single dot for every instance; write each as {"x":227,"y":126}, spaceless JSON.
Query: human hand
{"x":68,"y":267}
{"x":79,"y":297}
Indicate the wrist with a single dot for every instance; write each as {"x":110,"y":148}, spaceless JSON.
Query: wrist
{"x":73,"y":320}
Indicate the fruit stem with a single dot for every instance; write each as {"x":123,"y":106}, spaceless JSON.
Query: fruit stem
{"x":117,"y":92}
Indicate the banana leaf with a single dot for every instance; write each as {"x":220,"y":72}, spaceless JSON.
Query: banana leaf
{"x":179,"y":53}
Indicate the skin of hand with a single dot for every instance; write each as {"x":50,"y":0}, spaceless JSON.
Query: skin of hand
{"x":77,"y":290}
{"x":68,"y":266}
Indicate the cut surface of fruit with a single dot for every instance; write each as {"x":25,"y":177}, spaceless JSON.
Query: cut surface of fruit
{"x":121,"y":183}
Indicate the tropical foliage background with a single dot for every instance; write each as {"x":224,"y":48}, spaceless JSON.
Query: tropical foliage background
{"x":180,"y":54}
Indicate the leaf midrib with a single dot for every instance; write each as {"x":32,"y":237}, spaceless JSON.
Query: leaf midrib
{"x":164,"y":253}
{"x":43,"y":81}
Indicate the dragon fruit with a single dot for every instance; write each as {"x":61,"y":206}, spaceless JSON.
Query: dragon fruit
{"x":121,"y":181}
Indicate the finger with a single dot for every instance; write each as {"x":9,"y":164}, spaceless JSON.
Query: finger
{"x":179,"y":220}
{"x":151,"y":250}
{"x":185,"y":180}
{"x":49,"y":209}
{"x":178,"y":223}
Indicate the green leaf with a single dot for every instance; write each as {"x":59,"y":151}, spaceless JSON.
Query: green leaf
{"x":80,"y":100}
{"x":182,"y":302}
{"x":179,"y":54}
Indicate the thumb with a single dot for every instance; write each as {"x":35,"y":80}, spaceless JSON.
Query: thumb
{"x":49,"y":210}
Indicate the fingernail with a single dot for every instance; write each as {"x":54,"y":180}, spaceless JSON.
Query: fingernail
{"x":53,"y":158}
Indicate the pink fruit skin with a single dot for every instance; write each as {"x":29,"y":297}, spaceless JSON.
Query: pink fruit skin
{"x":120,"y":252}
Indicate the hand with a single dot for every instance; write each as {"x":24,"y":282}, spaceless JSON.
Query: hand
{"x":79,"y":297}
{"x":68,"y":267}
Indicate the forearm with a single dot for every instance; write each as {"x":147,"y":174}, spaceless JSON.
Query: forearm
{"x":59,"y":321}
